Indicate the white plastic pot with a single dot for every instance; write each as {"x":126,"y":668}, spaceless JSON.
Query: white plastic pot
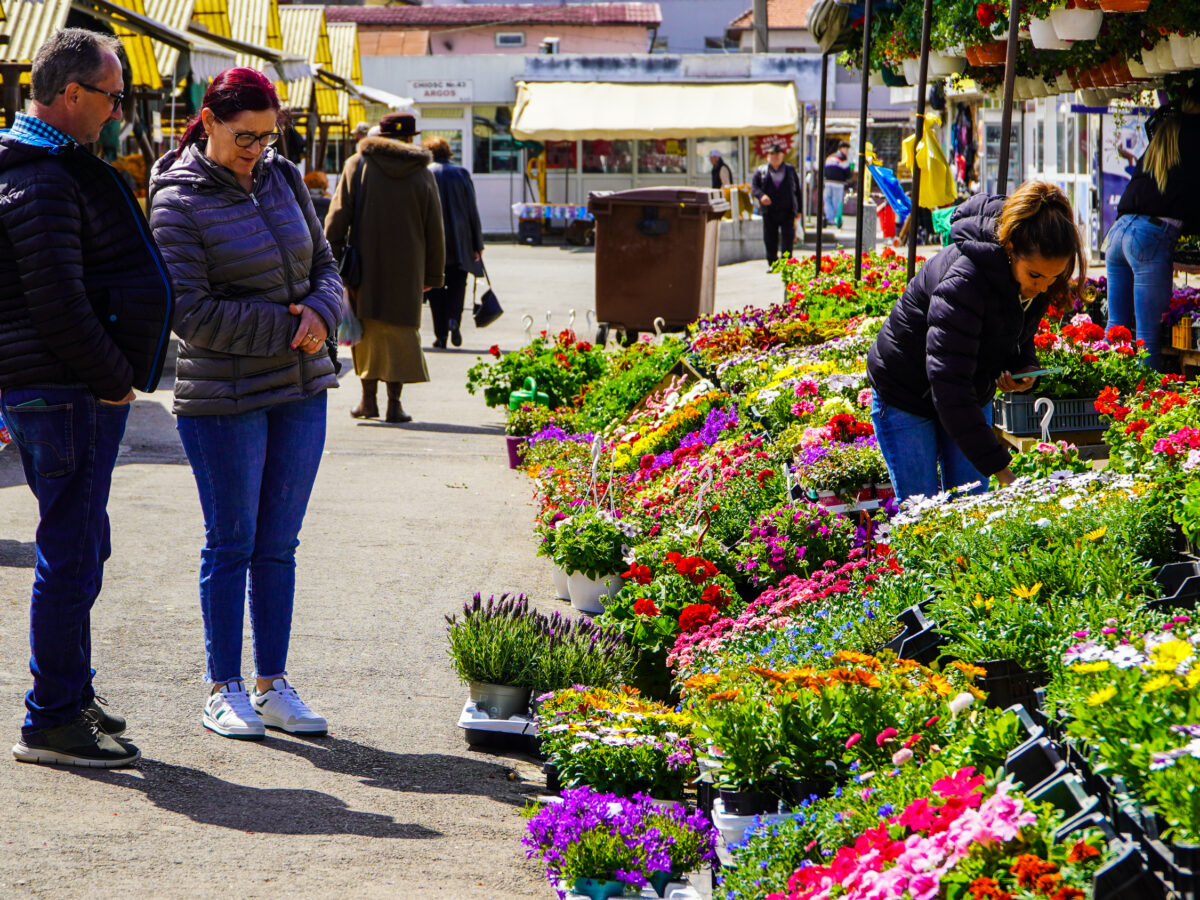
{"x":1021,"y":89}
{"x":588,"y":595}
{"x":958,"y":50}
{"x":941,"y":65}
{"x":1195,"y":40}
{"x":562,"y":583}
{"x":1063,"y":83}
{"x":1181,"y":51}
{"x":1136,"y":69}
{"x":912,"y":71}
{"x":876,"y":80}
{"x":1077,"y":24}
{"x":1041,"y":32}
{"x":1149,"y":62}
{"x":1166,"y":59}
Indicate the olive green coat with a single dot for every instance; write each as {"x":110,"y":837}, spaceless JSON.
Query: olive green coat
{"x":402,"y":244}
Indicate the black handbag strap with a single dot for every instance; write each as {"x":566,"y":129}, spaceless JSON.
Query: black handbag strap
{"x":358,"y":201}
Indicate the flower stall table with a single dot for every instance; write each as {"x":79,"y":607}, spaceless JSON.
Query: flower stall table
{"x":1089,"y":443}
{"x":1189,"y":360}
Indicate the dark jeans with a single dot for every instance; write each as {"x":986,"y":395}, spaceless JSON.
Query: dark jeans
{"x":446,"y":303}
{"x":779,"y":232}
{"x":255,"y":472}
{"x":68,"y":443}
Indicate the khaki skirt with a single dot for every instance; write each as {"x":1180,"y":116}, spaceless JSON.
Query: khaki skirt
{"x":389,"y":353}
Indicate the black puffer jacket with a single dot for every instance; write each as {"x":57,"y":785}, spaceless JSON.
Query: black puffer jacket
{"x":84,"y":295}
{"x":957,"y":327}
{"x":460,"y":216}
{"x":238,"y":259}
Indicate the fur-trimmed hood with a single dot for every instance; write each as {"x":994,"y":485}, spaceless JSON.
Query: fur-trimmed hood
{"x":396,"y":158}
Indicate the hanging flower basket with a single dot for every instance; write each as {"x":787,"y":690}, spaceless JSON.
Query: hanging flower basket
{"x":1041,"y":31}
{"x":941,"y":65}
{"x":1077,"y":24}
{"x":1124,"y":6}
{"x":993,"y":53}
{"x":912,"y":71}
{"x":1181,"y":51}
{"x":892,"y":79}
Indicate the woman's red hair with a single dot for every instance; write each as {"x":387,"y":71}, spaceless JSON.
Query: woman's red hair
{"x":232,"y":92}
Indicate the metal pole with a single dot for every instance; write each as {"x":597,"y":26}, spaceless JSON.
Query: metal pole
{"x":914,"y":215}
{"x":1010,"y":78}
{"x":760,"y":26}
{"x":862,"y":140}
{"x":819,"y":155}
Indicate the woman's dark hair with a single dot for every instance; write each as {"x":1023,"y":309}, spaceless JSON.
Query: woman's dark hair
{"x":1037,"y":221}
{"x":439,"y":147}
{"x":232,"y":92}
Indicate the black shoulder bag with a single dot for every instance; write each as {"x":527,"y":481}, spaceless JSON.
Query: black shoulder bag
{"x":350,"y":265}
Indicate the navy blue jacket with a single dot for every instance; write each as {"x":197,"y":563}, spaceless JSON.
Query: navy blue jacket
{"x":460,"y":216}
{"x":85,"y":297}
{"x":957,"y":327}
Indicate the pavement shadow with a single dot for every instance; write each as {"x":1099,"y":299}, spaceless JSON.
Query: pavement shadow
{"x":441,"y":427}
{"x":209,"y":800}
{"x":418,"y":773}
{"x":17,"y":554}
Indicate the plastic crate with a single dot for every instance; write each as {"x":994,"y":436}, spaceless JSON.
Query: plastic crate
{"x":1181,"y":334}
{"x":1015,"y":414}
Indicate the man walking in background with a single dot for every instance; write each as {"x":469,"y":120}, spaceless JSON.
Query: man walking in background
{"x":837,"y":173}
{"x":722,"y":175}
{"x":776,"y":189}
{"x":86,"y":306}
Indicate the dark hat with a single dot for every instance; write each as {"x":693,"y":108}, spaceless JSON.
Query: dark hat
{"x":776,"y":148}
{"x":398,"y":125}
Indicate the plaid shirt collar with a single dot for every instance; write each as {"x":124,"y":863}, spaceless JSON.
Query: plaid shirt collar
{"x":31,"y":130}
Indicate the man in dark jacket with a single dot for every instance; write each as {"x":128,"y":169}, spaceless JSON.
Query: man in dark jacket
{"x":776,"y":189}
{"x":85,"y":309}
{"x":464,"y":242}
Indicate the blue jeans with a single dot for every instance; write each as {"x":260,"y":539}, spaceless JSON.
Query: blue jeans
{"x":916,"y":448}
{"x":834,"y":190}
{"x":1140,"y":279}
{"x":68,"y":443}
{"x":254,"y":472}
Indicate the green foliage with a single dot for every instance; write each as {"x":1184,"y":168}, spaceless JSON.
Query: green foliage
{"x":631,"y":375}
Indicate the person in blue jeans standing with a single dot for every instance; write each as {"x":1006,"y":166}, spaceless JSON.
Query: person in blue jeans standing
{"x":1161,"y":200}
{"x":257,"y":295}
{"x":86,"y":306}
{"x":963,"y":328}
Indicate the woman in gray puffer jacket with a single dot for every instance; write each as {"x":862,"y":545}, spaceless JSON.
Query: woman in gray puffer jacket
{"x":257,"y":293}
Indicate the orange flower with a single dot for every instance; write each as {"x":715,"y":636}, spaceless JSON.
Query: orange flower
{"x":863,"y":659}
{"x":984,"y":888}
{"x":969,"y":670}
{"x":1029,"y":868}
{"x":939,"y":685}
{"x":701,"y":682}
{"x":769,"y":674}
{"x":721,"y":696}
{"x":1081,"y":852}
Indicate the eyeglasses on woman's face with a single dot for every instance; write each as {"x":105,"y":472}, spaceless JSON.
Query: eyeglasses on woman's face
{"x":247,"y":139}
{"x":117,"y":97}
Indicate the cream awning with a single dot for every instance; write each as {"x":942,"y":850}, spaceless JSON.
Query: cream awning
{"x":561,"y":110}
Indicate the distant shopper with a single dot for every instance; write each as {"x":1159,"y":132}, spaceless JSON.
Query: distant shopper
{"x":86,"y":312}
{"x":317,"y":183}
{"x":258,"y":294}
{"x":361,"y":130}
{"x":837,"y":173}
{"x":1161,"y":200}
{"x":387,"y":186}
{"x":776,"y":189}
{"x":965,"y":327}
{"x":464,"y":242}
{"x":722,"y":175}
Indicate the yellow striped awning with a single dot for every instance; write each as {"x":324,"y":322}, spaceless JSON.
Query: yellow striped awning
{"x":28,"y":25}
{"x":343,"y":45}
{"x":306,"y":34}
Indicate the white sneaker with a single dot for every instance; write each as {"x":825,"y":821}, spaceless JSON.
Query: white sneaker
{"x":228,"y":712}
{"x":282,"y":708}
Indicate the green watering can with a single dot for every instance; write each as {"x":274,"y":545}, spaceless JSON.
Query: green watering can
{"x":529,"y":395}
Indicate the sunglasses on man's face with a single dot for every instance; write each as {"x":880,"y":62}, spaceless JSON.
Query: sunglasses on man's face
{"x":117,"y":98}
{"x":247,"y":139}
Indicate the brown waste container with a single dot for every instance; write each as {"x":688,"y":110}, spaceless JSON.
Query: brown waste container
{"x":656,"y":255}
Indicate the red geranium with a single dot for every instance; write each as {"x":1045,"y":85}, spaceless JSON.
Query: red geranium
{"x":986,"y":14}
{"x":1119,"y":334}
{"x":697,"y":616}
{"x":494,"y":350}
{"x":644,"y":606}
{"x":714,"y":594}
{"x":639,"y":574}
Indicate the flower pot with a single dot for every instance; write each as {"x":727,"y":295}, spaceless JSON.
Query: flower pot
{"x":516,"y":447}
{"x":500,"y":701}
{"x":1149,"y":63}
{"x":1124,"y":6}
{"x":599,"y":889}
{"x":1077,"y":24}
{"x":562,"y":583}
{"x":796,"y":791}
{"x":1062,"y":81}
{"x":588,"y":595}
{"x":1166,"y":59}
{"x":912,"y":70}
{"x":1044,"y":37}
{"x":1007,"y":682}
{"x":1195,"y":49}
{"x":993,"y":53}
{"x":749,"y":803}
{"x":660,"y":879}
{"x":1181,"y":51}
{"x":876,"y":80}
{"x":941,"y":65}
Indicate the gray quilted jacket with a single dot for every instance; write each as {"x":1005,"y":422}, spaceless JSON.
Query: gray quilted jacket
{"x":236,"y":260}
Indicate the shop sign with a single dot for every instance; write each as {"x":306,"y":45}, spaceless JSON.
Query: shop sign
{"x":763,"y":142}
{"x":441,"y":91}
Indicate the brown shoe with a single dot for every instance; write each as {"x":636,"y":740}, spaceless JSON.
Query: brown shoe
{"x":369,"y":407}
{"x":395,"y":412}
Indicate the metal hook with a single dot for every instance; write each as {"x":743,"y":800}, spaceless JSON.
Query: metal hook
{"x":590,"y":319}
{"x":527,"y":321}
{"x":1047,"y":404}
{"x":705,"y":484}
{"x":571,"y":319}
{"x":659,"y":322}
{"x":548,"y":315}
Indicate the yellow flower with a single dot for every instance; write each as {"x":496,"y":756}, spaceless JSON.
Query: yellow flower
{"x":1193,"y":677}
{"x":1102,"y":696}
{"x":1097,"y":534}
{"x":1169,"y":655}
{"x":1088,"y":668}
{"x":1156,"y":684}
{"x":1027,"y":593}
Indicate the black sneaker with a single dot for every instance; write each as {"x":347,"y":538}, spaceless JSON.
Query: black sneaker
{"x":78,"y":743}
{"x":439,"y":344}
{"x":110,"y":723}
{"x":455,"y":334}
